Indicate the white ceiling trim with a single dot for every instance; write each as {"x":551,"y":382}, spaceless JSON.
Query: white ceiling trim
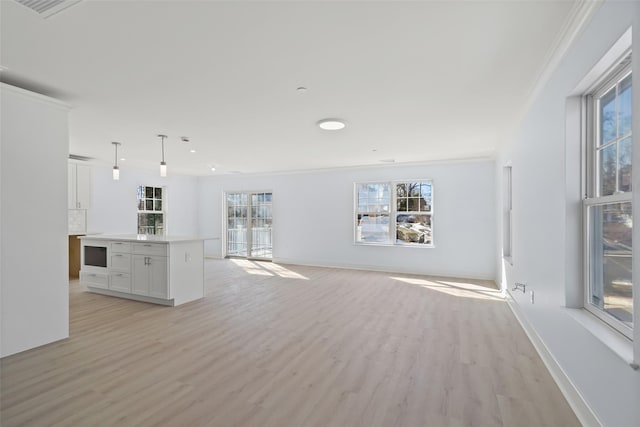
{"x":579,"y":16}
{"x":36,"y":96}
{"x":450,"y":161}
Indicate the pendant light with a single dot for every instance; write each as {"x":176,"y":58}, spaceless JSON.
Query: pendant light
{"x":116,"y":169}
{"x":163,"y":164}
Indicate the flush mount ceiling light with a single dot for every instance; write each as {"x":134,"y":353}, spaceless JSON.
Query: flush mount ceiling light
{"x":163,"y":165}
{"x":331,"y":124}
{"x":116,"y":169}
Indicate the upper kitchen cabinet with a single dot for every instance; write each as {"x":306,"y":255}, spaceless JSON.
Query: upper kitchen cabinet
{"x":79,"y":186}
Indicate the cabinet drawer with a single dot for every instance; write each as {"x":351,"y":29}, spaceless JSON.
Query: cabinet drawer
{"x":97,"y":280}
{"x":121,"y":247}
{"x":120,"y":282}
{"x":120,"y":262}
{"x":159,"y":249}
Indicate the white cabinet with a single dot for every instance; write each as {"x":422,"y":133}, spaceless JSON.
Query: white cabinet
{"x":96,"y":280}
{"x":150,"y":276}
{"x":166,"y":272}
{"x":79,"y":182}
{"x":120,"y":262}
{"x":120,"y":282}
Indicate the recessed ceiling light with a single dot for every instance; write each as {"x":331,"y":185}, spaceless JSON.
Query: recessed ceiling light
{"x":331,"y":124}
{"x":213,"y":168}
{"x":122,"y":159}
{"x":301,"y":89}
{"x":192,"y":151}
{"x":184,"y":139}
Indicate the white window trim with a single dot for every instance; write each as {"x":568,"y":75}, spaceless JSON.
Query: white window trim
{"x":600,"y":85}
{"x":507,"y":207}
{"x":165,"y":228}
{"x":225,"y":224}
{"x":392,"y":242}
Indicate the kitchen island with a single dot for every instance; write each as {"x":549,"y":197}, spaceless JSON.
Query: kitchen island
{"x":166,"y":270}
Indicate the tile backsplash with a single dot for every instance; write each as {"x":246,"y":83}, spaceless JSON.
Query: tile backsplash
{"x":77,"y":221}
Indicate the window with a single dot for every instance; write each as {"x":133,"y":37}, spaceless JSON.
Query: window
{"x":608,"y":202}
{"x":507,"y":239}
{"x":249,"y":225}
{"x":151,"y":217}
{"x":394,"y":213}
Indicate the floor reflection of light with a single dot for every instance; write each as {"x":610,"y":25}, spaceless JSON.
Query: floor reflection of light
{"x":282,"y":271}
{"x":264,"y":268}
{"x":250,"y":267}
{"x":458,"y":289}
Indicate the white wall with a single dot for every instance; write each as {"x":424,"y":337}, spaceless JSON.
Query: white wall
{"x":314,"y":219}
{"x":34,"y":275}
{"x":547,"y":217}
{"x":114,"y":208}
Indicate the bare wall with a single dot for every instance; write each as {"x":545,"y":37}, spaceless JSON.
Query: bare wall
{"x":546,"y":226}
{"x":314,"y":218}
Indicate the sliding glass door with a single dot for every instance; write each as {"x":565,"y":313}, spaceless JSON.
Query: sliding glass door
{"x":249,"y":221}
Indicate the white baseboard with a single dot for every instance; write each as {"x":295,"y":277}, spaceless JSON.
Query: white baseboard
{"x":383,"y":269}
{"x":584,"y":413}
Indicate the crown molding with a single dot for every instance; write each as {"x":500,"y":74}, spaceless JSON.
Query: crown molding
{"x":578,"y":18}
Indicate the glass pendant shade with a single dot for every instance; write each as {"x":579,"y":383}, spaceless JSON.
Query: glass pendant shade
{"x":116,"y":169}
{"x":163,"y":164}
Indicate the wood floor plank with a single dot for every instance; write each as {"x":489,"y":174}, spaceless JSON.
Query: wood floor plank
{"x":278,"y":345}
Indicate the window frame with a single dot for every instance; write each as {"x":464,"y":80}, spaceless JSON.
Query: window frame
{"x":162,"y":212}
{"x":392,"y":213}
{"x":507,"y":212}
{"x":591,"y":182}
{"x":249,"y":226}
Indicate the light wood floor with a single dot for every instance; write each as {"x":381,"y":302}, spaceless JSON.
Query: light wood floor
{"x":275,"y":345}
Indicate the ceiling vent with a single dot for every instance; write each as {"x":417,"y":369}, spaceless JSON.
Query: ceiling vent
{"x":79,"y":157}
{"x":47,"y":8}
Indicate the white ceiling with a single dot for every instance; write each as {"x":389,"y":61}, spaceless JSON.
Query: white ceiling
{"x":414,"y":81}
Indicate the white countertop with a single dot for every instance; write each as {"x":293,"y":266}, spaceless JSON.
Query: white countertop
{"x":142,"y":238}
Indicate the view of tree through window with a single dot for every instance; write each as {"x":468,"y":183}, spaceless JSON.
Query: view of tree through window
{"x":394,"y":212}
{"x":609,"y":224}
{"x":614,"y":152}
{"x":150,"y":210}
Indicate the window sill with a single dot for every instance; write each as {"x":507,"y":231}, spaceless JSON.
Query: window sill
{"x":392,"y":245}
{"x":617,"y":342}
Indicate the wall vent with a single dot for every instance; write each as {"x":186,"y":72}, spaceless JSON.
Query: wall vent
{"x":79,"y":157}
{"x":47,"y":8}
